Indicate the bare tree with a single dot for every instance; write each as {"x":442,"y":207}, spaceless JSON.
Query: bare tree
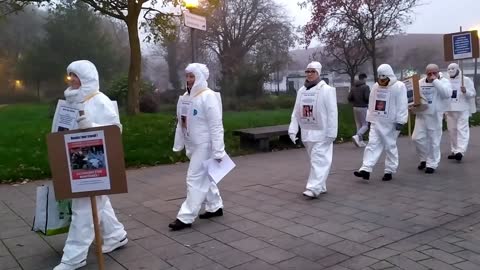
{"x":236,"y":27}
{"x":17,"y":33}
{"x":8,"y":7}
{"x":127,"y":11}
{"x":372,"y":20}
{"x":345,"y":52}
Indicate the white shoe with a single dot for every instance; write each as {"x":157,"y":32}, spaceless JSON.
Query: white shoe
{"x":63,"y":266}
{"x":310,"y":194}
{"x":363,"y":144}
{"x":356,"y":140}
{"x":108,"y":249}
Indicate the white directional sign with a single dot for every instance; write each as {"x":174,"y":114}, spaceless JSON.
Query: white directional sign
{"x":195,"y":21}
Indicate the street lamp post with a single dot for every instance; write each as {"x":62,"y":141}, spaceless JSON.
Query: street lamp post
{"x":192,"y":5}
{"x":194,"y":51}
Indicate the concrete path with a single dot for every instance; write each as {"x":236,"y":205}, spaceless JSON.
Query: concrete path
{"x":415,"y":222}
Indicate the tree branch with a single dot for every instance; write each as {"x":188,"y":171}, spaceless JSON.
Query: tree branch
{"x":110,"y":8}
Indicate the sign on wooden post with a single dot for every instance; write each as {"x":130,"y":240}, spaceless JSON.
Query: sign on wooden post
{"x":88,"y":163}
{"x":413,"y":94}
{"x":461,"y":45}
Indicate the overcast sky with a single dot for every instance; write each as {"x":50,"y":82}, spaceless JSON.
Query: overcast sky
{"x":434,"y":16}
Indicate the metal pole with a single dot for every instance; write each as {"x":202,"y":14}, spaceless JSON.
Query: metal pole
{"x":461,"y":67}
{"x":475,"y":74}
{"x":192,"y":33}
{"x":476,"y":83}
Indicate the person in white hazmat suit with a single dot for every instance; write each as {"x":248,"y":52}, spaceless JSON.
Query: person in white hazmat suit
{"x":387,"y":113}
{"x":200,"y":131}
{"x":99,"y":110}
{"x":316,"y":113}
{"x":436,"y":91}
{"x":462,"y":105}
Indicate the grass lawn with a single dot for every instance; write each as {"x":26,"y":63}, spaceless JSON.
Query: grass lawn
{"x":147,"y":138}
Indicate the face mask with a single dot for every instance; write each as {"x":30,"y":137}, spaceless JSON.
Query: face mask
{"x":73,"y":96}
{"x":383,"y":82}
{"x":453,"y":72}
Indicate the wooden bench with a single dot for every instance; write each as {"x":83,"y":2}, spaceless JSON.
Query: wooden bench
{"x":259,"y":138}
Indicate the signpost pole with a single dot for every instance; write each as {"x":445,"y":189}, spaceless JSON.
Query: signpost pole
{"x":113,"y":182}
{"x":461,"y":67}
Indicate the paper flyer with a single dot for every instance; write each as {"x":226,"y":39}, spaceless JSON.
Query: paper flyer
{"x":65,"y":117}
{"x":87,"y":161}
{"x":218,"y":170}
{"x":382,"y":103}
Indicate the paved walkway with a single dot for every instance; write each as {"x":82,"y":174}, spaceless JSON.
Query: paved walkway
{"x":414,"y":222}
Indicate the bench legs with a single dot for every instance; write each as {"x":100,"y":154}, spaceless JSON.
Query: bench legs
{"x":285,"y":139}
{"x":263,"y":145}
{"x":260,"y":144}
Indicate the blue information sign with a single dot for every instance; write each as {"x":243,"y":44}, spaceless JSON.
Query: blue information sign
{"x":462,"y":46}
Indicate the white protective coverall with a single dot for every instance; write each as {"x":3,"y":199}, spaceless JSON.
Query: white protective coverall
{"x":316,"y":113}
{"x":427,"y":133}
{"x":388,"y":106}
{"x":460,"y":109}
{"x":99,"y":111}
{"x":200,"y":131}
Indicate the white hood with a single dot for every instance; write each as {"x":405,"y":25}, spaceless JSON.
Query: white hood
{"x":88,"y":75}
{"x":317,"y":66}
{"x":201,"y":73}
{"x":386,"y":70}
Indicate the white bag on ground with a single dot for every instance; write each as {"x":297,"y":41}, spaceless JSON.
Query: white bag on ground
{"x":51,"y":216}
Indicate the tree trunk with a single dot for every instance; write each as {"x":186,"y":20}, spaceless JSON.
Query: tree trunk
{"x":278,"y":82}
{"x":352,"y":80}
{"x":228,"y":82}
{"x":38,"y":89}
{"x":135,"y":69}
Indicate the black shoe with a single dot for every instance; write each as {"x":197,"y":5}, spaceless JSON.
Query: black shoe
{"x":422,"y":165}
{"x":451,"y":156}
{"x":362,"y":174}
{"x":429,"y":170}
{"x":387,"y":177}
{"x":208,"y":215}
{"x":458,"y":156}
{"x":177,"y":225}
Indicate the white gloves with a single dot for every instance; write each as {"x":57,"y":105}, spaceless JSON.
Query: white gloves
{"x":83,"y":122}
{"x":293,"y":137}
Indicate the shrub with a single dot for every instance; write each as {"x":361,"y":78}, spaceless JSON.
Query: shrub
{"x":148,"y":103}
{"x":118,"y":89}
{"x":169,"y":96}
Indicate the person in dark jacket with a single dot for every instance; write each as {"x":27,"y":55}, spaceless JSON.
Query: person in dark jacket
{"x":358,"y":97}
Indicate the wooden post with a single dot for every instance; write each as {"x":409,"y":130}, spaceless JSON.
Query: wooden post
{"x":409,"y":123}
{"x":98,"y":234}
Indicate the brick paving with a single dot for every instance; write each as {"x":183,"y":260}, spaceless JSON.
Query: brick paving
{"x":417,"y":221}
